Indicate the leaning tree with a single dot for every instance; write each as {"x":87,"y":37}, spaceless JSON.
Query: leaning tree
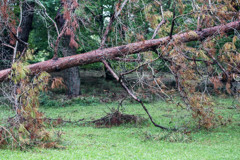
{"x":197,"y":42}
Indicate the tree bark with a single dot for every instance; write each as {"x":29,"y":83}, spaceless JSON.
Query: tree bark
{"x":26,"y":26}
{"x":132,"y":48}
{"x":6,"y":53}
{"x":108,"y":76}
{"x":71,"y":75}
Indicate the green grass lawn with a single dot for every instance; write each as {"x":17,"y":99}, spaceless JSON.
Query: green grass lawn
{"x":133,"y":141}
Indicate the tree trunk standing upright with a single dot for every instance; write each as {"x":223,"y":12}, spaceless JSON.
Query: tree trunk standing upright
{"x":6,"y":53}
{"x":71,"y":75}
{"x":26,"y":25}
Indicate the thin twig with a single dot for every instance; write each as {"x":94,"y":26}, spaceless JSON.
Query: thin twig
{"x":45,"y":12}
{"x":173,"y":21}
{"x":58,"y":39}
{"x":14,"y":139}
{"x":134,"y":97}
{"x":18,"y":29}
{"x":162,"y":21}
{"x":127,"y":59}
{"x":113,"y":18}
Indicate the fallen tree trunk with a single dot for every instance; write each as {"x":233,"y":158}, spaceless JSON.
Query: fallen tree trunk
{"x":132,"y":48}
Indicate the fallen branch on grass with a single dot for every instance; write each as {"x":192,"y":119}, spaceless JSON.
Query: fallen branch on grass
{"x":116,"y":118}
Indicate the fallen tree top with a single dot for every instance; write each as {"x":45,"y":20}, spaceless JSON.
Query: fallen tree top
{"x":132,"y":48}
